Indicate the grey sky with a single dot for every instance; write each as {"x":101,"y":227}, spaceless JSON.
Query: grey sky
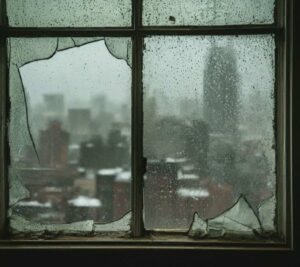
{"x":173,"y":66}
{"x":79,"y":73}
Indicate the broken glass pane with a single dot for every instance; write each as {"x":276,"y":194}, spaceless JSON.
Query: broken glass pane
{"x":198,"y":227}
{"x":266,"y":212}
{"x":20,"y":227}
{"x":208,"y":126}
{"x":239,"y":219}
{"x":69,"y":13}
{"x":207,"y":12}
{"x":70,"y":132}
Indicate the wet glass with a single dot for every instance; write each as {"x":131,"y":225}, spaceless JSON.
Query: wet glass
{"x":207,"y":12}
{"x":208,"y":128}
{"x":69,"y":13}
{"x":69,"y":131}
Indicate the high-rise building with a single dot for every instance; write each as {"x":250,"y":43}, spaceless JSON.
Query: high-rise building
{"x":221,"y":113}
{"x":220,"y":91}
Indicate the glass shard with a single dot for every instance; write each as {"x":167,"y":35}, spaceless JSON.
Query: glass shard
{"x":64,"y":43}
{"x":120,"y":48}
{"x":69,"y":13}
{"x":17,"y":191}
{"x":79,"y":41}
{"x":20,"y":226}
{"x":121,"y":225}
{"x":207,"y":12}
{"x":266,"y":213}
{"x":69,"y":131}
{"x":198,"y":227}
{"x":238,"y":219}
{"x":208,"y":126}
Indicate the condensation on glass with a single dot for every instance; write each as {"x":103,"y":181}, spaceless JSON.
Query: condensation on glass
{"x":70,"y":135}
{"x":207,"y":12}
{"x":69,"y":13}
{"x":208,"y":132}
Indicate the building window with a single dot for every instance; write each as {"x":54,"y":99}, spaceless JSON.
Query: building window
{"x":146,"y":119}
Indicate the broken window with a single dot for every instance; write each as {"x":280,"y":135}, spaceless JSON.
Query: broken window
{"x":175,"y":120}
{"x":70,"y":134}
{"x":208,"y":128}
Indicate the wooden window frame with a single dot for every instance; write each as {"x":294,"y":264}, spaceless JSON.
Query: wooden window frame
{"x":283,"y":32}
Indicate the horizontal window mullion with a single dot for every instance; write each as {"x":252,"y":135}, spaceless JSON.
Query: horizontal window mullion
{"x":212,"y":30}
{"x":65,"y":32}
{"x":157,"y":30}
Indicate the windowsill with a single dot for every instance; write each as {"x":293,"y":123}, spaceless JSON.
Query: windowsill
{"x":152,"y":241}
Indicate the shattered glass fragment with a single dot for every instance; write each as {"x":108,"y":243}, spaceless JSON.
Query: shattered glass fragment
{"x":121,"y":225}
{"x":240,"y":219}
{"x":69,"y":13}
{"x":65,"y":43}
{"x":266,"y":213}
{"x":26,"y":50}
{"x":207,"y":12}
{"x":198,"y":227}
{"x":79,"y":41}
{"x":21,"y":226}
{"x":17,"y":191}
{"x":120,"y":48}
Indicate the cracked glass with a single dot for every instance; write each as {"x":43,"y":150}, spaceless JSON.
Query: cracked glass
{"x":69,"y":13}
{"x":207,"y":12}
{"x":209,"y":134}
{"x":70,"y":135}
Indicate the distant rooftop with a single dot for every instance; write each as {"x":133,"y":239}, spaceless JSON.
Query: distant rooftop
{"x":193,"y":193}
{"x":83,"y":201}
{"x":35,"y":203}
{"x":113,"y":171}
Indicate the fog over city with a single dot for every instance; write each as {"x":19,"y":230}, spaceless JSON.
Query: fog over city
{"x":79,"y":74}
{"x":208,"y":130}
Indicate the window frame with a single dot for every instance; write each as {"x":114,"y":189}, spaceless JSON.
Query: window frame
{"x":283,"y":31}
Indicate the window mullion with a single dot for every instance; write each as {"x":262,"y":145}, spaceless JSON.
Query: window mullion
{"x":3,"y":129}
{"x":137,"y":124}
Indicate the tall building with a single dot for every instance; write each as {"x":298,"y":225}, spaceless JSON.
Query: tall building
{"x":79,"y":125}
{"x":221,"y":113}
{"x":220,"y":91}
{"x":54,"y":106}
{"x":53,"y":146}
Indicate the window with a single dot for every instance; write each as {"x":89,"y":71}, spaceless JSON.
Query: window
{"x":157,"y":121}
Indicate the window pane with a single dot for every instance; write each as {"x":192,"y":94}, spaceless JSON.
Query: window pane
{"x":69,"y":13}
{"x":70,"y":126}
{"x":207,"y":12}
{"x":208,"y":127}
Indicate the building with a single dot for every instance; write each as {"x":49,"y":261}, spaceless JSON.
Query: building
{"x":221,"y":91}
{"x":105,"y":180}
{"x":53,"y":146}
{"x":79,"y":121}
{"x":160,"y":194}
{"x":54,"y":106}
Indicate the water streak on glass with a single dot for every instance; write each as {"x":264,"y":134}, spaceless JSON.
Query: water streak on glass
{"x":208,"y":127}
{"x":207,"y":12}
{"x":70,"y":132}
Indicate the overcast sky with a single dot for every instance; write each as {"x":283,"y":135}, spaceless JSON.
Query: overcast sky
{"x":80,"y":74}
{"x":174,"y":66}
{"x":173,"y":69}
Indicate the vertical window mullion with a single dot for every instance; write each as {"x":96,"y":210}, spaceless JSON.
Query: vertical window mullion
{"x":3,"y":120}
{"x":137,"y":124}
